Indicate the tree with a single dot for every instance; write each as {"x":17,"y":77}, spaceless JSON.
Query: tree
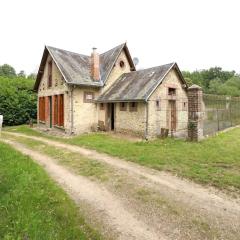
{"x":18,"y":101}
{"x":21,"y":74}
{"x":215,"y":81}
{"x":7,"y":70}
{"x":32,"y":76}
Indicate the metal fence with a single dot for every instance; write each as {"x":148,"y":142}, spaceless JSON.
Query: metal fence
{"x":220,"y":112}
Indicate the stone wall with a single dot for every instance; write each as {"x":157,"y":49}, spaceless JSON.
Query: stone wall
{"x":159,"y":116}
{"x":117,"y":71}
{"x":133,"y":122}
{"x":58,"y":87}
{"x":84,"y":113}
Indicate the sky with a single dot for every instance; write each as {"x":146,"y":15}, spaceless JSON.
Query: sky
{"x":197,"y":34}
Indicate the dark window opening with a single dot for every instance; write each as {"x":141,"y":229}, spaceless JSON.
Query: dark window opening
{"x":172,"y":91}
{"x":133,"y":107}
{"x":158,"y":104}
{"x":101,"y":106}
{"x":50,"y":74}
{"x":184,"y":106}
{"x":122,"y":64}
{"x":123,"y":106}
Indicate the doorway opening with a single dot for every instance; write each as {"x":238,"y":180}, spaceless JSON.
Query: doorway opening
{"x":112,"y":117}
{"x":173,"y":115}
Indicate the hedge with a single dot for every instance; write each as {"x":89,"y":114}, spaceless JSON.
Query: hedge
{"x":18,"y":101}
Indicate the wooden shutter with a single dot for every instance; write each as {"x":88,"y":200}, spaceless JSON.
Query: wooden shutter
{"x":41,"y":108}
{"x":55,"y":101}
{"x":61,"y":112}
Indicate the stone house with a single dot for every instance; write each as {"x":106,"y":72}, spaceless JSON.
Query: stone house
{"x":79,"y":93}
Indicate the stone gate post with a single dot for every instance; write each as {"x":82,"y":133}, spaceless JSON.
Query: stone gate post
{"x":195,"y":113}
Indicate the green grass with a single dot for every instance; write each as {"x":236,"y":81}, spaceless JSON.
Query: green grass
{"x":75,"y":161}
{"x":32,"y":206}
{"x":214,"y":161}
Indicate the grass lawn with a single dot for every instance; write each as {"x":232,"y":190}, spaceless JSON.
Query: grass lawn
{"x":214,"y":161}
{"x":32,"y":206}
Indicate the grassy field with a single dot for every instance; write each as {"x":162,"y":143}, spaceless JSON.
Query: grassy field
{"x":32,"y":206}
{"x":214,"y":161}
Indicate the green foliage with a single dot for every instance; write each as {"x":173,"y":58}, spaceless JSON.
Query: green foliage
{"x":18,"y":102}
{"x":215,"y":81}
{"x":22,"y":74}
{"x":7,"y":70}
{"x":32,"y":206}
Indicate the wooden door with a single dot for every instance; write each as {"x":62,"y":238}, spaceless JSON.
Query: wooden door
{"x":173,"y":115}
{"x":50,"y":111}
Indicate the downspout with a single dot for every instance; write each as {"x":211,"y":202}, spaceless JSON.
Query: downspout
{"x":146,"y":126}
{"x":71,"y":96}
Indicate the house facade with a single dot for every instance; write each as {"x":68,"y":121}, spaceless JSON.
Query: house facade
{"x":79,"y":94}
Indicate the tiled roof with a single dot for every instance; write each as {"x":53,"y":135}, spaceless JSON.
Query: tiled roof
{"x":75,"y":67}
{"x":137,"y":85}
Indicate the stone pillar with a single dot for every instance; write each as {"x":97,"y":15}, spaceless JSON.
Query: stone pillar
{"x":195,"y":113}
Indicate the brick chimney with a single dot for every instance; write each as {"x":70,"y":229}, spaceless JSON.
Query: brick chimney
{"x":95,"y":65}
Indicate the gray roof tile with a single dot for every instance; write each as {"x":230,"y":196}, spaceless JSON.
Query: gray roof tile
{"x":137,"y":85}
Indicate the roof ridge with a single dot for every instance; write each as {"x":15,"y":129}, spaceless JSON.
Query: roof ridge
{"x":67,"y":51}
{"x":114,"y":48}
{"x":171,"y":64}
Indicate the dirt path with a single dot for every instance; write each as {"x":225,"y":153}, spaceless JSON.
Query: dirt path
{"x":215,"y":208}
{"x":122,"y":222}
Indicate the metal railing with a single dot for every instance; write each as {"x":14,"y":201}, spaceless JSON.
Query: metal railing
{"x":220,"y":112}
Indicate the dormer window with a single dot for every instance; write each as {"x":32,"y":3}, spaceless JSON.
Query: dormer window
{"x":50,"y":74}
{"x":171,"y":91}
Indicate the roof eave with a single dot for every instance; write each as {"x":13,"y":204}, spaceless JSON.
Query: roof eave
{"x":85,"y":85}
{"x":174,"y":65}
{"x":42,"y":65}
{"x":119,"y":100}
{"x":133,"y":68}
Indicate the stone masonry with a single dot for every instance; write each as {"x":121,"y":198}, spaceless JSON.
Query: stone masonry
{"x":195,"y":113}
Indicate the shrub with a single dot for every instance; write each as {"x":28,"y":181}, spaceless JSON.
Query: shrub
{"x":18,"y":102}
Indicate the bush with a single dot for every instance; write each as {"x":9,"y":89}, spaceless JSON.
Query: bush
{"x":18,"y":102}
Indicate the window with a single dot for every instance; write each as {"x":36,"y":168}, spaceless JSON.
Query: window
{"x":158,"y":104}
{"x":172,"y":91}
{"x":123,"y":106}
{"x":185,"y":105}
{"x":88,"y":97}
{"x":41,"y":108}
{"x":101,"y":106}
{"x":122,"y":64}
{"x":50,"y":74}
{"x":133,"y":107}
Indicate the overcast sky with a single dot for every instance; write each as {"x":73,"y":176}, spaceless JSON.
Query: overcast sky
{"x":196,"y":34}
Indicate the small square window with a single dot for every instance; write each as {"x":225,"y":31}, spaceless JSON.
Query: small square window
{"x":101,"y":106}
{"x":172,"y":91}
{"x":88,"y":97}
{"x":133,"y":107}
{"x":123,"y":106}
